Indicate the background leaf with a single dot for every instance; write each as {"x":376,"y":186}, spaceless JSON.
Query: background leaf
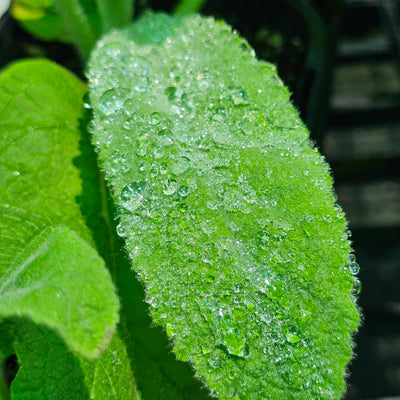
{"x":42,"y":19}
{"x":48,"y":369}
{"x":227,"y":210}
{"x":63,"y":283}
{"x":110,"y":377}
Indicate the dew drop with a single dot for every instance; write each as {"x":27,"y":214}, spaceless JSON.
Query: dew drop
{"x":357,"y":287}
{"x":167,"y":124}
{"x":181,"y":165}
{"x":142,"y":167}
{"x":154,"y":172}
{"x":183,"y":191}
{"x":234,"y":344}
{"x":170,"y":187}
{"x":354,"y":268}
{"x":120,"y":230}
{"x":155,"y":118}
{"x":239,"y":97}
{"x":143,"y":144}
{"x":115,"y":50}
{"x":111,"y":101}
{"x":251,"y":121}
{"x":219,"y":115}
{"x":237,"y":288}
{"x":158,"y":152}
{"x":229,"y":336}
{"x":276,"y":290}
{"x":141,"y":150}
{"x":130,"y":106}
{"x":164,"y":137}
{"x":138,"y":65}
{"x":292,"y":338}
{"x":141,"y":84}
{"x":132,"y":196}
{"x":245,"y":46}
{"x":163,"y":168}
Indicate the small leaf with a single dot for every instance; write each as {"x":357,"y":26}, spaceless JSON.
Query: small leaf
{"x":43,"y":284}
{"x":226,"y":209}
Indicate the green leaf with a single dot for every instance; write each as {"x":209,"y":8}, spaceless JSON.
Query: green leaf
{"x":188,"y":6}
{"x":49,"y":370}
{"x":227,"y":210}
{"x":42,"y":19}
{"x":110,"y":377}
{"x":42,"y":284}
{"x":49,"y":270}
{"x":45,"y":146}
{"x":40,"y":129}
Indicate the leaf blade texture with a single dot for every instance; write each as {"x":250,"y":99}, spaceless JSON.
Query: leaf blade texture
{"x":226,"y":209}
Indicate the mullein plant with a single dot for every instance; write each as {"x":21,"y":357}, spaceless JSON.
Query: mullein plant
{"x":174,"y":194}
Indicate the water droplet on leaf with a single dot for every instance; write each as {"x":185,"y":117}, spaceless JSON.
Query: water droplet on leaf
{"x":181,"y":165}
{"x":183,"y":191}
{"x":111,"y":101}
{"x":132,"y":196}
{"x":155,"y":118}
{"x":239,"y":96}
{"x":120,"y":230}
{"x":170,"y":187}
{"x":292,"y":338}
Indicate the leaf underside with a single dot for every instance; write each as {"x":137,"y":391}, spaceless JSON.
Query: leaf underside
{"x":227,"y":210}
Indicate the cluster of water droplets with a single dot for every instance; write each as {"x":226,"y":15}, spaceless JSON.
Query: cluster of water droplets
{"x":219,"y":198}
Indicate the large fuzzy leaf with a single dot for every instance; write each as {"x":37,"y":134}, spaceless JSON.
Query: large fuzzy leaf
{"x":227,"y":210}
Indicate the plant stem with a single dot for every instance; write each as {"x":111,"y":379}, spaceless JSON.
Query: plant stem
{"x":115,"y":13}
{"x":189,"y":6}
{"x":77,"y":23}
